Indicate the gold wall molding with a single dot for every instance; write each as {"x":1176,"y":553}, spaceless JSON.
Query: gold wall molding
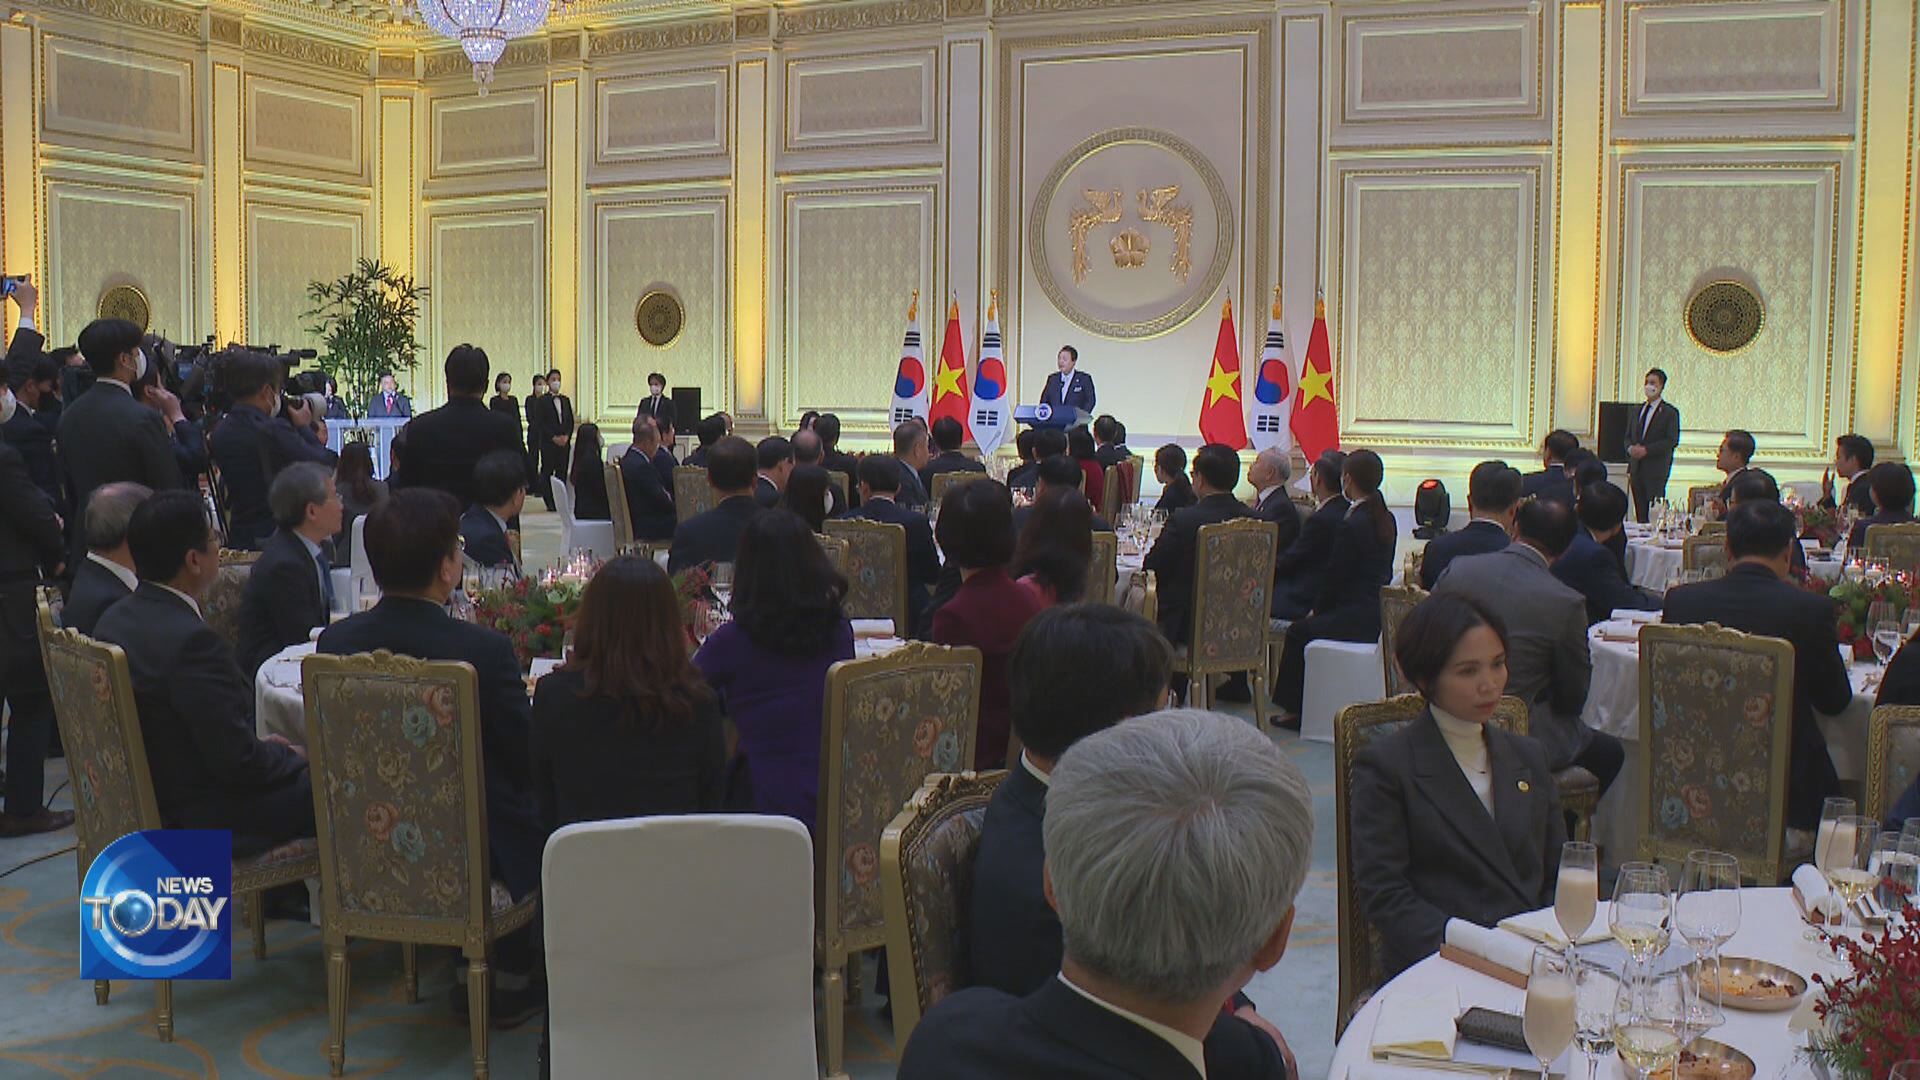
{"x":393,"y":65}
{"x":1055,"y":7}
{"x":752,"y":26}
{"x":223,"y":29}
{"x":564,"y":46}
{"x":869,"y":16}
{"x":862,"y":101}
{"x":300,"y":49}
{"x":523,"y":53}
{"x":137,"y":14}
{"x":96,"y":108}
{"x":966,"y":9}
{"x":1431,"y":101}
{"x":652,"y":39}
{"x":1736,"y":62}
{"x":661,"y":116}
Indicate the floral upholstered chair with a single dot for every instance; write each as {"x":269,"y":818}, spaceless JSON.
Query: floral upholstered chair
{"x":837,"y":550}
{"x":1104,"y":569}
{"x":890,"y":722}
{"x":1893,"y":757}
{"x":617,"y":510}
{"x":876,"y":569}
{"x":947,"y":481}
{"x":394,"y":745}
{"x":220,"y":607}
{"x":692,"y":495}
{"x":1897,"y":545}
{"x":1716,"y":718}
{"x":113,"y":789}
{"x":1354,"y":729}
{"x":1704,"y":552}
{"x":926,"y":886}
{"x":1396,"y":602}
{"x":1232,"y":592}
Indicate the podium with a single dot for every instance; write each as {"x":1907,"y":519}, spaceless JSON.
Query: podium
{"x":1049,"y":416}
{"x":379,"y":438}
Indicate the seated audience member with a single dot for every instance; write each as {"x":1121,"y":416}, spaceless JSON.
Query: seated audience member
{"x":1080,"y":449}
{"x":1347,"y":607}
{"x":663,"y":460}
{"x":769,"y":662}
{"x":253,"y":442}
{"x":1054,"y":552}
{"x":1585,"y":469}
{"x":1298,"y":570}
{"x":1047,"y":442}
{"x":1908,"y":808}
{"x":210,"y":770}
{"x":649,"y":503}
{"x":1269,"y":474}
{"x":499,"y":492}
{"x":948,"y":437}
{"x":809,"y":494}
{"x":1755,"y":597}
{"x":1216,"y":471}
{"x":1022,"y":474}
{"x":627,"y":727}
{"x":1891,"y":485}
{"x":713,"y":535}
{"x":1759,"y":484}
{"x":1734,"y":457}
{"x":1544,"y":623}
{"x":1109,"y":441}
{"x":774,"y":457}
{"x":827,"y":426}
{"x":912,"y":452}
{"x":587,"y":475}
{"x":1176,"y":844}
{"x":359,"y":493}
{"x":289,"y":592}
{"x":809,"y":451}
{"x":1589,"y":568}
{"x":1452,"y":817}
{"x":1555,"y":479}
{"x":1075,"y":670}
{"x":707,"y":432}
{"x":880,"y":480}
{"x":1170,"y":468}
{"x":1852,"y":463}
{"x":990,"y":608}
{"x":1493,"y":493}
{"x":107,"y":574}
{"x":1056,"y":473}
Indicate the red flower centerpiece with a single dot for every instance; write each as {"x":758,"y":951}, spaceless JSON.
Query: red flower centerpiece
{"x":1853,"y":596}
{"x":535,"y":614}
{"x":1871,"y":1014}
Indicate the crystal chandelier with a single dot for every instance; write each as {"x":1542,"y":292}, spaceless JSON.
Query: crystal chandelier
{"x":483,"y":27}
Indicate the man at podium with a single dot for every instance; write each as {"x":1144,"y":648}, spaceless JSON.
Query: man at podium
{"x":1068,"y":387}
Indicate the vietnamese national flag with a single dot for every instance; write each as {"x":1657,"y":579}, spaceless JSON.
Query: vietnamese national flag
{"x":1315,"y":422}
{"x":1222,"y":416}
{"x":950,"y":396}
{"x":910,"y":379}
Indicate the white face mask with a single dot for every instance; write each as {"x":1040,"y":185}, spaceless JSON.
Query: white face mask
{"x":8,"y":405}
{"x":1653,"y":391}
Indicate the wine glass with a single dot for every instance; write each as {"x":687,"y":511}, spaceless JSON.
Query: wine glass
{"x":1849,"y":854}
{"x":1548,"y":1022}
{"x":1577,"y":894}
{"x":1706,"y":911}
{"x":1831,"y":812}
{"x":1910,"y":623}
{"x":1700,"y":1015}
{"x":1886,"y":640}
{"x":1896,"y":858}
{"x":1595,"y":988}
{"x":1649,"y":1020}
{"x":1642,"y":903}
{"x":1906,"y":1070}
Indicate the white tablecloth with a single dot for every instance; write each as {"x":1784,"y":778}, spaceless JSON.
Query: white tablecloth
{"x":1613,"y":706}
{"x":1650,"y":566}
{"x":1770,"y":930}
{"x":1124,"y":568}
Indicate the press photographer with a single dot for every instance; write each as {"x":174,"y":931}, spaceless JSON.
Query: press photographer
{"x":261,"y":434}
{"x":159,"y":389}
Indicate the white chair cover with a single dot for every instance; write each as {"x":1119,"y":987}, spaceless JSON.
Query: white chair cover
{"x":362,"y":579}
{"x":595,"y":536}
{"x":616,"y":451}
{"x":684,"y":943}
{"x":1339,"y":674}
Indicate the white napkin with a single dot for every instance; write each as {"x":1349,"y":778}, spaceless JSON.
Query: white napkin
{"x":1634,"y":615}
{"x":1543,"y":928}
{"x":1510,"y":951}
{"x":1417,"y":1025}
{"x":1620,"y":630}
{"x":1811,"y":883}
{"x":872,"y":628}
{"x":542,"y":667}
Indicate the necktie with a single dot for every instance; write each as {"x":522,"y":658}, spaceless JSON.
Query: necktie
{"x":326,"y":577}
{"x":389,"y":401}
{"x":1646,"y":419}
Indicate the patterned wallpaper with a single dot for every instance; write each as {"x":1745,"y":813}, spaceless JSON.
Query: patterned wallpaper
{"x":303,"y":126}
{"x":1419,"y":67}
{"x":678,"y":248}
{"x":678,"y":115}
{"x":107,"y":93}
{"x":851,"y":271}
{"x":101,"y":237}
{"x":1781,"y":54}
{"x":888,"y":98}
{"x":489,"y":288}
{"x":287,"y":250}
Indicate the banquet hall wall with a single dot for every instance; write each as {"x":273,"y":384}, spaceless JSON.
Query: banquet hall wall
{"x":1507,"y":203}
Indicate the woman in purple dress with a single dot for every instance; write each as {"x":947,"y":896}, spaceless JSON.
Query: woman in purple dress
{"x":770,"y":662}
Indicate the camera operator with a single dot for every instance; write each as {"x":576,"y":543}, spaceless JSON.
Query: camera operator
{"x":256,"y":439}
{"x":150,"y":389}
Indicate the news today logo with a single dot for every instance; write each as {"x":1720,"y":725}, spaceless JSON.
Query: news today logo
{"x":156,"y":905}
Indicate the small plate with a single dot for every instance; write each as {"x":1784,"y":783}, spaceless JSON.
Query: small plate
{"x":1723,"y":1061}
{"x":1740,"y":965}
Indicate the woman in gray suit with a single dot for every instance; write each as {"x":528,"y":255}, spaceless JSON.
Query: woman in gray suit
{"x":1452,"y":818}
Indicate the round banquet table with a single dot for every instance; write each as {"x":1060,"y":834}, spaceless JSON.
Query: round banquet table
{"x":1613,"y":706}
{"x":1770,"y":929}
{"x":1651,"y":564}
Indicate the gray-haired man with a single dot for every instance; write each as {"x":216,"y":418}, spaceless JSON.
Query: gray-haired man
{"x":106,"y":574}
{"x":1176,"y":844}
{"x":289,"y":591}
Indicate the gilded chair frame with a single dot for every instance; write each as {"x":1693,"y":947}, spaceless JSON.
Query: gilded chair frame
{"x":942,"y":797}
{"x":1703,"y":552}
{"x":859,"y":532}
{"x":947,"y":481}
{"x":1764,"y":861}
{"x":1694,"y":493}
{"x":1139,"y":474}
{"x":841,"y":484}
{"x":1111,"y":497}
{"x":1713,"y":528}
{"x":648,"y":549}
{"x":838,"y":942}
{"x":1149,"y":597}
{"x":1897,"y":544}
{"x":692,"y":495}
{"x":1103,"y":571}
{"x":1254,"y":662}
{"x":617,"y":507}
{"x":837,"y":549}
{"x":479,"y":927}
{"x":1396,"y":603}
{"x":1883,"y":789}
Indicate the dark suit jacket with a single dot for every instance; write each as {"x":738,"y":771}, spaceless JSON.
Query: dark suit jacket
{"x":29,"y":534}
{"x":282,"y":603}
{"x":444,"y":443}
{"x":23,"y":351}
{"x":106,"y":436}
{"x":1357,"y":569}
{"x":486,"y":541}
{"x":1899,"y":686}
{"x":1177,"y":495}
{"x":560,"y":411}
{"x":660,"y":408}
{"x":593,"y":761}
{"x":424,"y":630}
{"x":1172,"y":558}
{"x":1553,"y":482}
{"x":1593,"y":572}
{"x":1751,"y":599}
{"x":251,"y":448}
{"x":1022,"y":514}
{"x":536,"y":411}
{"x":506,"y":405}
{"x":377,"y":408}
{"x":1859,"y":494}
{"x":912,"y":493}
{"x":841,"y":462}
{"x":1055,"y":1033}
{"x":1079,"y":395}
{"x":1013,"y":936}
{"x":766,"y":492}
{"x":663,"y":466}
{"x":1857,"y":539}
{"x":1279,"y":509}
{"x":590,"y":501}
{"x":95,"y":589}
{"x":1660,"y":434}
{"x":713,"y":536}
{"x":196,"y":714}
{"x":923,"y":558}
{"x":948,"y":461}
{"x":1425,"y":849}
{"x":1297,"y":569}
{"x":1479,"y":537}
{"x":29,"y":433}
{"x":648,"y":503}
{"x":1111,"y":454}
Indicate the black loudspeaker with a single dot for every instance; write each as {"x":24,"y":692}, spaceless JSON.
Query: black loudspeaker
{"x":1616,"y":419}
{"x":686,"y":408}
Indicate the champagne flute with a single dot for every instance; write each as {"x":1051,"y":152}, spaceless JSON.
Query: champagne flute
{"x":1831,"y":812}
{"x":1649,"y":1019}
{"x":1577,"y":894}
{"x":1594,"y":991}
{"x":1886,"y":640}
{"x":1706,"y":910}
{"x":1642,"y":903}
{"x":1897,"y":866}
{"x":1850,"y":852}
{"x":1699,"y":1015}
{"x":1548,"y":1022}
